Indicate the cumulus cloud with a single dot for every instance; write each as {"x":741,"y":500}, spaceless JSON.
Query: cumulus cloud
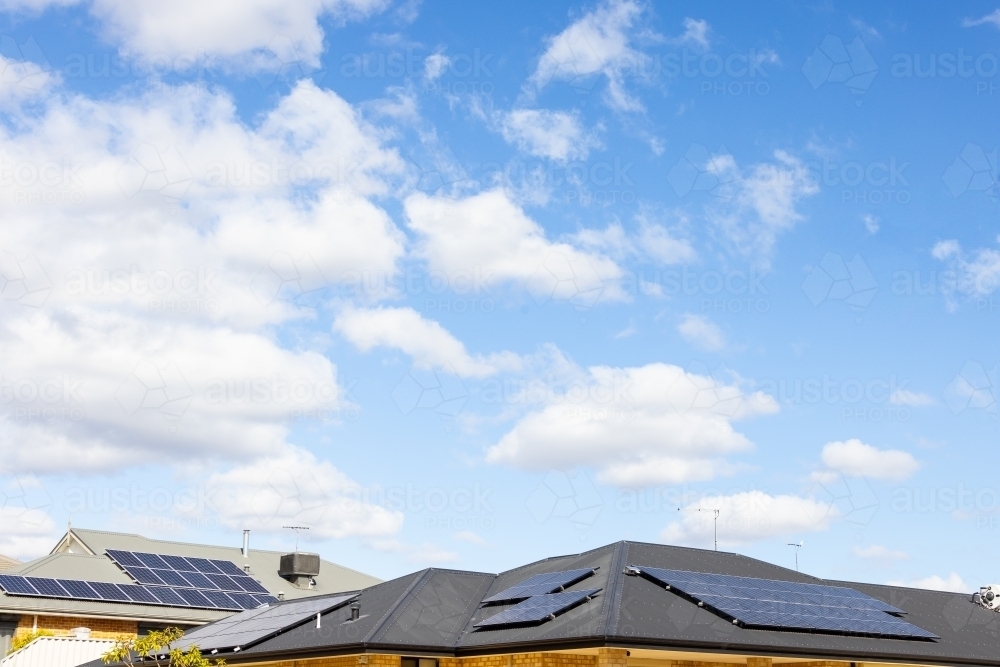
{"x":758,"y":204}
{"x":695,"y":34}
{"x":599,"y":43}
{"x":23,"y":80}
{"x":952,"y":583}
{"x":912,"y":398}
{"x":556,"y":135}
{"x":877,"y":552}
{"x":654,"y":424}
{"x":748,"y":517}
{"x":435,"y":65}
{"x":487,"y":240}
{"x":855,"y":458}
{"x":974,"y":274}
{"x":151,"y":286}
{"x":430,"y":344}
{"x":293,"y":487}
{"x":265,"y":34}
{"x":701,"y":332}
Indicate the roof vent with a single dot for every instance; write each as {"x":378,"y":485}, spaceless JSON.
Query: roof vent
{"x":988,"y":596}
{"x":299,"y":568}
{"x":355,"y":611}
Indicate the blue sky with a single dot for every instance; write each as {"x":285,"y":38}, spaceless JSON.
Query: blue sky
{"x":474,"y":285}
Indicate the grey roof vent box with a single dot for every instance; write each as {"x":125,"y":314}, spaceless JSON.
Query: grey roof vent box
{"x":299,"y":568}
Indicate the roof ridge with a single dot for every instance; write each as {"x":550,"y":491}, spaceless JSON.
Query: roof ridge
{"x":615,"y":586}
{"x":424,"y":574}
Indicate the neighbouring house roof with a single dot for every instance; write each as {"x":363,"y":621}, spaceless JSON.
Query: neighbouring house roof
{"x":80,"y":554}
{"x":433,"y":612}
{"x":6,"y":562}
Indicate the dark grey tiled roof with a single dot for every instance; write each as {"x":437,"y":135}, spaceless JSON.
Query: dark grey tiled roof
{"x":434,"y":611}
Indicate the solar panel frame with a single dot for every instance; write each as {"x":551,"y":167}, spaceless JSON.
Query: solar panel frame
{"x":194,"y":597}
{"x":540,"y":584}
{"x":145,"y":576}
{"x":167,"y":596}
{"x":220,"y":600}
{"x":173,"y":578}
{"x":774,"y":604}
{"x":203,"y":565}
{"x":250,"y":585}
{"x":124,"y":558}
{"x":138,"y":593}
{"x":244,"y":600}
{"x":538,"y":608}
{"x":199,"y":580}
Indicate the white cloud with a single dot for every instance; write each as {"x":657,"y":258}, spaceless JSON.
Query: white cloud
{"x":952,"y":583}
{"x":430,"y":344}
{"x":600,"y":42}
{"x":556,"y":135}
{"x":759,"y":204}
{"x":977,"y":274}
{"x":26,"y":529}
{"x":293,"y":487}
{"x":435,"y":65}
{"x":701,"y":332}
{"x":695,"y":34}
{"x":855,"y":458}
{"x":263,"y":34}
{"x":871,"y":223}
{"x":23,"y":80}
{"x":652,"y":241}
{"x":904,"y":397}
{"x":149,"y":294}
{"x":747,"y":517}
{"x":877,"y":552}
{"x":638,"y":426}
{"x":487,"y":240}
{"x":992,"y":18}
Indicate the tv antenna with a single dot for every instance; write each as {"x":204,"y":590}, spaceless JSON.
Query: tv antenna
{"x":296,"y":529}
{"x":715,"y":519}
{"x":797,"y":547}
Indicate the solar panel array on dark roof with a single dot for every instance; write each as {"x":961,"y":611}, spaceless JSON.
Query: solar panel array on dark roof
{"x":787,"y":605}
{"x":546,"y":582}
{"x":538,"y":608}
{"x":103,"y":591}
{"x":256,"y":625}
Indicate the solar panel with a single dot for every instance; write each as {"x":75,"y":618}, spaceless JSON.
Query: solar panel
{"x":109,"y":591}
{"x":167,"y":596}
{"x":79,"y":589}
{"x":138,"y":593}
{"x":16,"y":585}
{"x":185,"y":572}
{"x":539,"y":584}
{"x":47,"y":587}
{"x":788,"y":605}
{"x":265,"y":599}
{"x":256,"y":625}
{"x":538,"y":608}
{"x":129,"y":593}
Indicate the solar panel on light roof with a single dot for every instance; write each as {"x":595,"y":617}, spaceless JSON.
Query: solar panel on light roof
{"x":199,"y":580}
{"x":109,"y":591}
{"x":138,"y":593}
{"x":539,"y":584}
{"x":178,"y":563}
{"x":47,"y":587}
{"x":167,"y":596}
{"x":79,"y":589}
{"x":250,"y":585}
{"x":17,"y":585}
{"x":244,"y":600}
{"x":769,"y":603}
{"x":221,"y":600}
{"x":227,"y":567}
{"x":265,"y":599}
{"x":194,"y":597}
{"x":151,"y":560}
{"x":125,"y":558}
{"x":255,"y":625}
{"x":145,"y":576}
{"x":538,"y":608}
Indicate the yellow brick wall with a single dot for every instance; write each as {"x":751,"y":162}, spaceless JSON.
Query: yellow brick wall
{"x":758,"y":662}
{"x":60,"y":626}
